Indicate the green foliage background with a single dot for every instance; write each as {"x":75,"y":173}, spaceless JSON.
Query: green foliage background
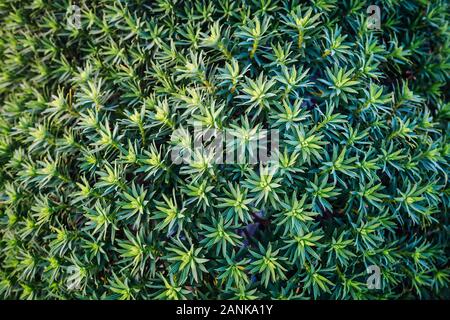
{"x":92,"y":205}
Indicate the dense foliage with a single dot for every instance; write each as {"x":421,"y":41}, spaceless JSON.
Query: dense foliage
{"x":93,"y":206}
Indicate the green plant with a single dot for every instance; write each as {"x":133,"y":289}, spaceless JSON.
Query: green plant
{"x":104,"y":194}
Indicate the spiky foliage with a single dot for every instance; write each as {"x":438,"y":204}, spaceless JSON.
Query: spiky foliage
{"x":93,"y":206}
